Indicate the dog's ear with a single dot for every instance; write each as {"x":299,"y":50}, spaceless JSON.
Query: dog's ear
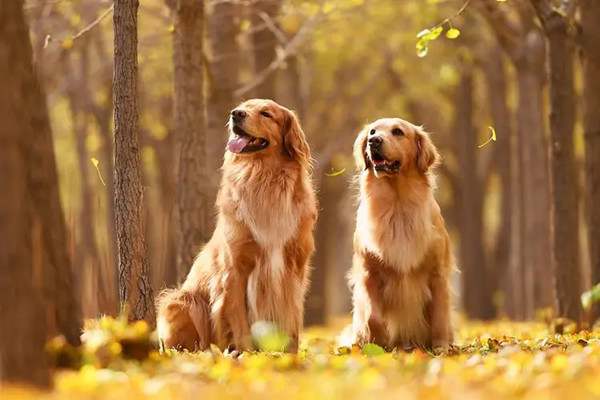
{"x":360,"y":151}
{"x":427,"y":154}
{"x":294,"y":141}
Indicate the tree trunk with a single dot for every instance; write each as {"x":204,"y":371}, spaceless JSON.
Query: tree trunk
{"x":535,"y":190}
{"x":194,"y":210}
{"x":476,"y":297}
{"x":565,"y":199}
{"x":135,"y":290}
{"x":23,"y":333}
{"x":264,"y":42}
{"x":87,"y":256}
{"x":523,"y":43}
{"x":316,"y":298}
{"x":103,"y":116}
{"x":504,"y":258}
{"x":591,"y":120}
{"x":223,"y":28}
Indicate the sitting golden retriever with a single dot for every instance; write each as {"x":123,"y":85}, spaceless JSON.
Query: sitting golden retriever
{"x":402,"y":257}
{"x":255,"y":266}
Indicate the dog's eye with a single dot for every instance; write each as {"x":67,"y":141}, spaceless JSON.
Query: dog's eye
{"x":372,"y":132}
{"x":397,"y":132}
{"x":266,"y":114}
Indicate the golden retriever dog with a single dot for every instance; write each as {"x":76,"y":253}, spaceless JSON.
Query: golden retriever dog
{"x":402,"y":258}
{"x":255,"y":266}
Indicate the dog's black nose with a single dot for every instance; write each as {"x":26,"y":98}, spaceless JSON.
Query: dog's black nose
{"x":375,"y":141}
{"x":238,"y":115}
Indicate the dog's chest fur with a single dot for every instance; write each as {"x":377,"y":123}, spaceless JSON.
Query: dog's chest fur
{"x":268,"y":209}
{"x":398,"y":234}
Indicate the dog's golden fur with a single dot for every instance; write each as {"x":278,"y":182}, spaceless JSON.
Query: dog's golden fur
{"x":402,"y":258}
{"x":255,"y":266}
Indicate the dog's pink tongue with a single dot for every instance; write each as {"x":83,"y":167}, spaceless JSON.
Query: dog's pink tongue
{"x":237,"y":144}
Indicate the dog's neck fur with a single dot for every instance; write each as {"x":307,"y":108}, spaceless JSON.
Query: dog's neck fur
{"x":395,"y":218}
{"x":261,"y":188}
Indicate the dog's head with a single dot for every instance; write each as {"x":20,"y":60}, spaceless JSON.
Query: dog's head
{"x":389,"y":146}
{"x":264,"y":127}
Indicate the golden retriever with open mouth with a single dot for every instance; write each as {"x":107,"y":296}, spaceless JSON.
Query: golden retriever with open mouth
{"x":402,"y":258}
{"x":255,"y":266}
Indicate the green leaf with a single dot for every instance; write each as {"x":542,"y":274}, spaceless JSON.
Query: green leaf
{"x":452,"y":33}
{"x":422,"y":47}
{"x":268,"y":337}
{"x":372,"y":350}
{"x":590,"y":297}
{"x":435,"y":33}
{"x":423,"y":33}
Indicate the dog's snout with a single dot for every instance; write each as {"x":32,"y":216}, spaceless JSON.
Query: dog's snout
{"x":375,"y":141}
{"x":238,"y":115}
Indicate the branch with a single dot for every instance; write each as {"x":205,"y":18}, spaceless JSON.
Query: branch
{"x":507,"y":32}
{"x":94,"y":22}
{"x":553,"y":17}
{"x":272,"y":26}
{"x":290,"y":49}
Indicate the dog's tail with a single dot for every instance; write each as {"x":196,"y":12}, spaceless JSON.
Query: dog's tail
{"x":183,"y":321}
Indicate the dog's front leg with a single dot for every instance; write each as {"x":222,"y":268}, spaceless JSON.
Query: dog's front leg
{"x":232,"y":326}
{"x":441,"y":332}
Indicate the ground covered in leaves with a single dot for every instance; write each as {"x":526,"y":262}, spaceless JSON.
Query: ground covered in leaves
{"x":490,"y":360}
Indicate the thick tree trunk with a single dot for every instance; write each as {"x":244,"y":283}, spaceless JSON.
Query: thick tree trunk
{"x":565,"y":199}
{"x":60,"y":289}
{"x":591,"y":120}
{"x":535,"y":190}
{"x":476,"y":296}
{"x":223,"y":28}
{"x":194,"y":210}
{"x":504,"y":256}
{"x":523,"y":43}
{"x":23,"y":333}
{"x":264,"y":42}
{"x":135,"y":290}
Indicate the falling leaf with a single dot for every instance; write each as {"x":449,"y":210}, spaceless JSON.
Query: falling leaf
{"x":96,"y":163}
{"x":336,"y":173}
{"x":491,"y":139}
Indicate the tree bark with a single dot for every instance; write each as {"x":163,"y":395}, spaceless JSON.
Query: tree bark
{"x":476,"y":297}
{"x":565,"y":199}
{"x":591,"y":120}
{"x":264,"y":42}
{"x":194,"y":210}
{"x":135,"y":290}
{"x":60,"y":288}
{"x":23,"y":333}
{"x":535,"y":191}
{"x":223,"y":28}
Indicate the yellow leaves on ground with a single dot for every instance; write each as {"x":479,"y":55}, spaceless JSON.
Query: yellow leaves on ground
{"x":489,"y":360}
